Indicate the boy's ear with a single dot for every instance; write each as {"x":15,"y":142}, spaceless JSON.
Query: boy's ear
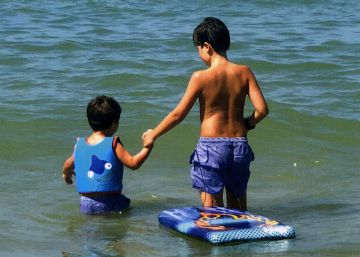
{"x":209,"y":48}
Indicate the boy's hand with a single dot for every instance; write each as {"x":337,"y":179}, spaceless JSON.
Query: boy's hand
{"x":148,"y":139}
{"x":67,"y":175}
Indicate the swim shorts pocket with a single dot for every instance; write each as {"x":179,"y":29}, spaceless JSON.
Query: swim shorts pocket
{"x":243,"y":153}
{"x":200,"y":155}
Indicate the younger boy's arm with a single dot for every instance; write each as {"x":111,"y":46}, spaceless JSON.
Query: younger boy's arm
{"x":179,"y":112}
{"x":132,"y":161}
{"x":68,"y":170}
{"x":258,"y":101}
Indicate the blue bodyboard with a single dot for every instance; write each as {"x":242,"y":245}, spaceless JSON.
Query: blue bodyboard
{"x":221,"y":225}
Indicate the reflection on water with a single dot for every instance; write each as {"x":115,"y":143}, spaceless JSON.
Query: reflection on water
{"x":100,"y":235}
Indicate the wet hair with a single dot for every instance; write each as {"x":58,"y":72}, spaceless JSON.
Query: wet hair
{"x":102,"y":112}
{"x":213,"y":31}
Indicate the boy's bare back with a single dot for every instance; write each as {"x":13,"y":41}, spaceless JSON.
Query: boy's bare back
{"x":222,"y":90}
{"x":224,"y":87}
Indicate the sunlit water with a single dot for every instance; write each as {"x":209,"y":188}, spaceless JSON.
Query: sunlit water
{"x":56,"y":56}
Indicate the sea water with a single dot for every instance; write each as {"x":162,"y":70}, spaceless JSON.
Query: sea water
{"x":56,"y":55}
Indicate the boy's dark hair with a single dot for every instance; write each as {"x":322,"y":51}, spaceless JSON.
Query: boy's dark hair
{"x":213,"y":31}
{"x":102,"y":112}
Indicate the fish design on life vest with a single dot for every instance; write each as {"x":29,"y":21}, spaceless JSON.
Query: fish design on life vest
{"x":99,"y":171}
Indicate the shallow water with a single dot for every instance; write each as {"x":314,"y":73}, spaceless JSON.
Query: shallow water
{"x":56,"y":56}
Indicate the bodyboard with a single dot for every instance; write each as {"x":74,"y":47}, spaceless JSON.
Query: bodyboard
{"x":222,"y":225}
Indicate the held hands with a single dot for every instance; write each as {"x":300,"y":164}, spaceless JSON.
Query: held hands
{"x":148,"y":138}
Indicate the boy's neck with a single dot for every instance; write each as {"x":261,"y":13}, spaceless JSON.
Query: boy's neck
{"x":218,"y":59}
{"x":97,"y":136}
{"x":101,"y":134}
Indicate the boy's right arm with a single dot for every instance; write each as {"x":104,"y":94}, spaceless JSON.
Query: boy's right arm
{"x":68,"y":170}
{"x":258,"y":101}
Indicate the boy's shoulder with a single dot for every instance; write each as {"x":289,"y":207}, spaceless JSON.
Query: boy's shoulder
{"x":241,"y":67}
{"x":237,"y":68}
{"x":241,"y":70}
{"x":200,"y":76}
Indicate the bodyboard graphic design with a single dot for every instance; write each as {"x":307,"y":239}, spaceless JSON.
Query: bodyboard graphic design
{"x":221,"y":225}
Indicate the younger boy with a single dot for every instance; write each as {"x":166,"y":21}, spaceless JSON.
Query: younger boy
{"x":222,"y":156}
{"x":99,"y":158}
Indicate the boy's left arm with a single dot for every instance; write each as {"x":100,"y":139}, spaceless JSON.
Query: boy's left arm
{"x":258,"y":101}
{"x":132,"y":161}
{"x":68,"y":170}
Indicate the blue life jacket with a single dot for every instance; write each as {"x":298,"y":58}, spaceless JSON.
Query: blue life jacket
{"x":97,"y":167}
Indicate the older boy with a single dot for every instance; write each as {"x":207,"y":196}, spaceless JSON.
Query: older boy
{"x":222,"y":156}
{"x":99,"y":159}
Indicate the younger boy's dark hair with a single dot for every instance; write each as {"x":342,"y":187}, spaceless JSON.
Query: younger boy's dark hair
{"x":213,"y":31}
{"x":102,"y":112}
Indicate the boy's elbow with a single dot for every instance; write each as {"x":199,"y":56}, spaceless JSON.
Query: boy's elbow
{"x":68,"y":165}
{"x":135,"y":167}
{"x":266,"y":111}
{"x":177,"y":117}
{"x":136,"y":164}
{"x":261,"y":113}
{"x":132,"y":166}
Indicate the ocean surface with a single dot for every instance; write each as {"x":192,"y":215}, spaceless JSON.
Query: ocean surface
{"x":56,"y":55}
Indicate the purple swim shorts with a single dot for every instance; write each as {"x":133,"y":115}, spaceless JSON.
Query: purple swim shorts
{"x":219,"y":162}
{"x":101,"y":204}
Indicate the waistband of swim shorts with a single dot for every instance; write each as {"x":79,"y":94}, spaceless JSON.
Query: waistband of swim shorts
{"x":222,"y":139}
{"x":100,"y":196}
